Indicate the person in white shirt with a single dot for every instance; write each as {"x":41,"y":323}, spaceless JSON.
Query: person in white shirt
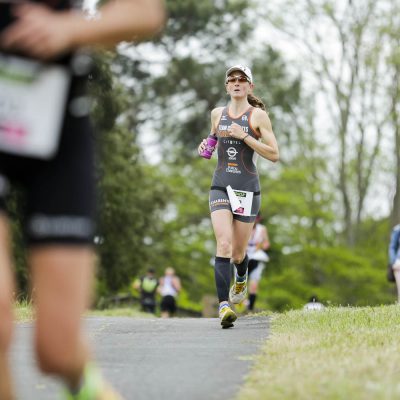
{"x":170,"y":286}
{"x":258,"y":243}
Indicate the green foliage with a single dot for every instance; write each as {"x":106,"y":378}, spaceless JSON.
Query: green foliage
{"x":306,"y":257}
{"x":336,"y":276}
{"x":158,"y":215}
{"x":189,"y":19}
{"x":110,"y":98}
{"x":196,"y":47}
{"x":277,"y":88}
{"x":130,"y":192}
{"x":131,"y":195}
{"x":15,"y":207}
{"x":298,"y":203}
{"x":184,"y":239}
{"x":185,"y":301}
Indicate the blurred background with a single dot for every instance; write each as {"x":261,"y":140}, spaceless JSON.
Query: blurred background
{"x":328,"y":71}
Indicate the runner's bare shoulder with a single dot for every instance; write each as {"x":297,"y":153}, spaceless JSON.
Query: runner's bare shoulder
{"x":216,"y":114}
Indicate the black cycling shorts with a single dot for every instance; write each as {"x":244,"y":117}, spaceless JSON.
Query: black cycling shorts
{"x":251,"y":266}
{"x":59,"y":194}
{"x":219,"y":200}
{"x":168,"y":303}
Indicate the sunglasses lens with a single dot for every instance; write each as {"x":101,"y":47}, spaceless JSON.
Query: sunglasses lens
{"x":240,"y":79}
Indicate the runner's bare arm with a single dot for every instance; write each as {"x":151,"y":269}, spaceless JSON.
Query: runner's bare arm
{"x":177,"y":284}
{"x":268,"y":146}
{"x":215,"y":117}
{"x":265,"y":242}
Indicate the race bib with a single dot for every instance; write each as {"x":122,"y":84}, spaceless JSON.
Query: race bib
{"x":241,"y":201}
{"x":32,"y":106}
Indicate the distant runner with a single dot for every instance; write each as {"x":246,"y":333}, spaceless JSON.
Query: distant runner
{"x":256,"y":251}
{"x":170,"y":286}
{"x":244,"y":130}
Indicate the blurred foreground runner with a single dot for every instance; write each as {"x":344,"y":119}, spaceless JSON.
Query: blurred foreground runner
{"x":46,"y":147}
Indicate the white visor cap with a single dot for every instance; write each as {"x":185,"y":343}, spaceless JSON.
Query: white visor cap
{"x":241,"y":68}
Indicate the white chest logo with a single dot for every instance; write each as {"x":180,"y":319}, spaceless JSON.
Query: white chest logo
{"x":232,"y":153}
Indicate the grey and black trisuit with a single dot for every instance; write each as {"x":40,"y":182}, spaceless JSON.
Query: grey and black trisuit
{"x":236,"y":166}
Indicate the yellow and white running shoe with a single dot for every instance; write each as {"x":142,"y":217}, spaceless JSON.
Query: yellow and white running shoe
{"x":238,"y":292}
{"x":227,"y":317}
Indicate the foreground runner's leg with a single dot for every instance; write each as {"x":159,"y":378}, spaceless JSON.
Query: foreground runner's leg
{"x":6,"y":310}
{"x":62,"y":277}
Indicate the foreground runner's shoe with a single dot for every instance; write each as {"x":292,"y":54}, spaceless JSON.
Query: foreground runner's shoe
{"x":238,"y":292}
{"x":94,"y":387}
{"x":227,"y":317}
{"x":108,"y":393}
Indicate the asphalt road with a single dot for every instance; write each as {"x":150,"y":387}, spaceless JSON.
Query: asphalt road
{"x":151,"y":359}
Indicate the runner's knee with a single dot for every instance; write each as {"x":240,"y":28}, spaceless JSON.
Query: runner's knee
{"x":224,"y":247}
{"x":238,"y":256}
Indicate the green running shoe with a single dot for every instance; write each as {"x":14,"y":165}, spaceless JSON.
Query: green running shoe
{"x":94,"y":387}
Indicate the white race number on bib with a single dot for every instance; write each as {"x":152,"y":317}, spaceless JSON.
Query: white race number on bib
{"x":241,"y":201}
{"x":32,"y":105}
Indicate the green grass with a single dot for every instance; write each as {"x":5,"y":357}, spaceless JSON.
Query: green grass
{"x":120,"y":312}
{"x":24,"y":312}
{"x":338,"y":353}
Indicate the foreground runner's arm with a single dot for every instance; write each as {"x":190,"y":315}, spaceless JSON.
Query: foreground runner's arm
{"x":42,"y":33}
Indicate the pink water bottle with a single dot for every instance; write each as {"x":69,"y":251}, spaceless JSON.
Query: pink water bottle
{"x":212,"y":141}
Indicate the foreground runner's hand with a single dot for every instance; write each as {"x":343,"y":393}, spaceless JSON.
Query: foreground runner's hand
{"x":40,"y":32}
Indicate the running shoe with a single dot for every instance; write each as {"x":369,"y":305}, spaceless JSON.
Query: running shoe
{"x":238,"y":292}
{"x":227,"y":317}
{"x":108,"y":393}
{"x":94,"y":387}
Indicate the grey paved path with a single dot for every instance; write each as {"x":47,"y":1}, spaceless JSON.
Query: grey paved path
{"x":151,"y":359}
